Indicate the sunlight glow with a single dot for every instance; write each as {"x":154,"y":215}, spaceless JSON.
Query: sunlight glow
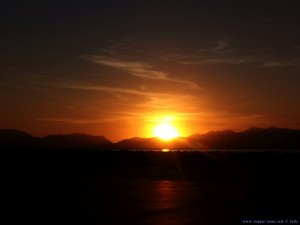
{"x":165,"y":131}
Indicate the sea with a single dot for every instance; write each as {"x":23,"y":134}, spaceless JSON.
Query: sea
{"x":155,"y":187}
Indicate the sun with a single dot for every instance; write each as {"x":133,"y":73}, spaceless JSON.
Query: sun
{"x":165,"y":131}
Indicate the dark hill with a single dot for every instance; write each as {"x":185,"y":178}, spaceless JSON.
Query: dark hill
{"x":16,"y":138}
{"x":138,"y":142}
{"x":253,"y":138}
{"x":144,"y":143}
{"x":10,"y":138}
{"x":76,"y":141}
{"x":10,"y":134}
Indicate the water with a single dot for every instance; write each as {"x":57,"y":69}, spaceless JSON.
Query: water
{"x":150,"y":188}
{"x":185,"y":188}
{"x":164,"y":202}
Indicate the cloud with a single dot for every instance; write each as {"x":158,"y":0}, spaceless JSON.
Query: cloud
{"x":58,"y":82}
{"x":139,"y":100}
{"x":92,"y":87}
{"x":224,"y":53}
{"x":155,"y":100}
{"x":216,"y":61}
{"x":168,"y":102}
{"x":152,"y":100}
{"x":283,"y":63}
{"x":103,"y":117}
{"x":76,"y":121}
{"x":138,"y":69}
{"x":221,"y":46}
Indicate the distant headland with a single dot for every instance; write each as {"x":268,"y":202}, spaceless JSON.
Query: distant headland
{"x":252,"y":138}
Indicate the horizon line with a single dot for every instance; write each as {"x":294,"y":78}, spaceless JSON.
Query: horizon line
{"x":102,"y":135}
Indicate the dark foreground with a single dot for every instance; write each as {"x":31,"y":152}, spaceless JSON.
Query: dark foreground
{"x":155,"y":188}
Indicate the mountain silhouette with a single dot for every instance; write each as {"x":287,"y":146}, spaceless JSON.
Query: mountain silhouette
{"x":76,"y":140}
{"x":144,"y":143}
{"x":16,"y":138}
{"x":253,"y":138}
{"x":11,"y":138}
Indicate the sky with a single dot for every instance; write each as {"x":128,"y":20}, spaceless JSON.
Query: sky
{"x":119,"y":68}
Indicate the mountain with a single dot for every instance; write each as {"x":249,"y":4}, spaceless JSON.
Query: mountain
{"x":253,"y":138}
{"x":10,"y":138}
{"x":16,"y":138}
{"x":144,"y":143}
{"x":138,"y":142}
{"x":76,"y":140}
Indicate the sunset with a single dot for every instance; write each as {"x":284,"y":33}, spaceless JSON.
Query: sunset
{"x":165,"y":132}
{"x":165,"y":129}
{"x":109,"y":68}
{"x":188,"y":107}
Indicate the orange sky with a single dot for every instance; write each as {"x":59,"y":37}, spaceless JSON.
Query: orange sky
{"x":118,"y":69}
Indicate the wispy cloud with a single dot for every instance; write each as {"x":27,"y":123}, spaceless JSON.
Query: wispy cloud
{"x":282,"y":63}
{"x":58,"y":82}
{"x":152,"y":99}
{"x":76,"y":120}
{"x":92,"y":87}
{"x":225,"y":53}
{"x":103,"y":117}
{"x":222,"y":52}
{"x":220,"y":47}
{"x":138,"y":69}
